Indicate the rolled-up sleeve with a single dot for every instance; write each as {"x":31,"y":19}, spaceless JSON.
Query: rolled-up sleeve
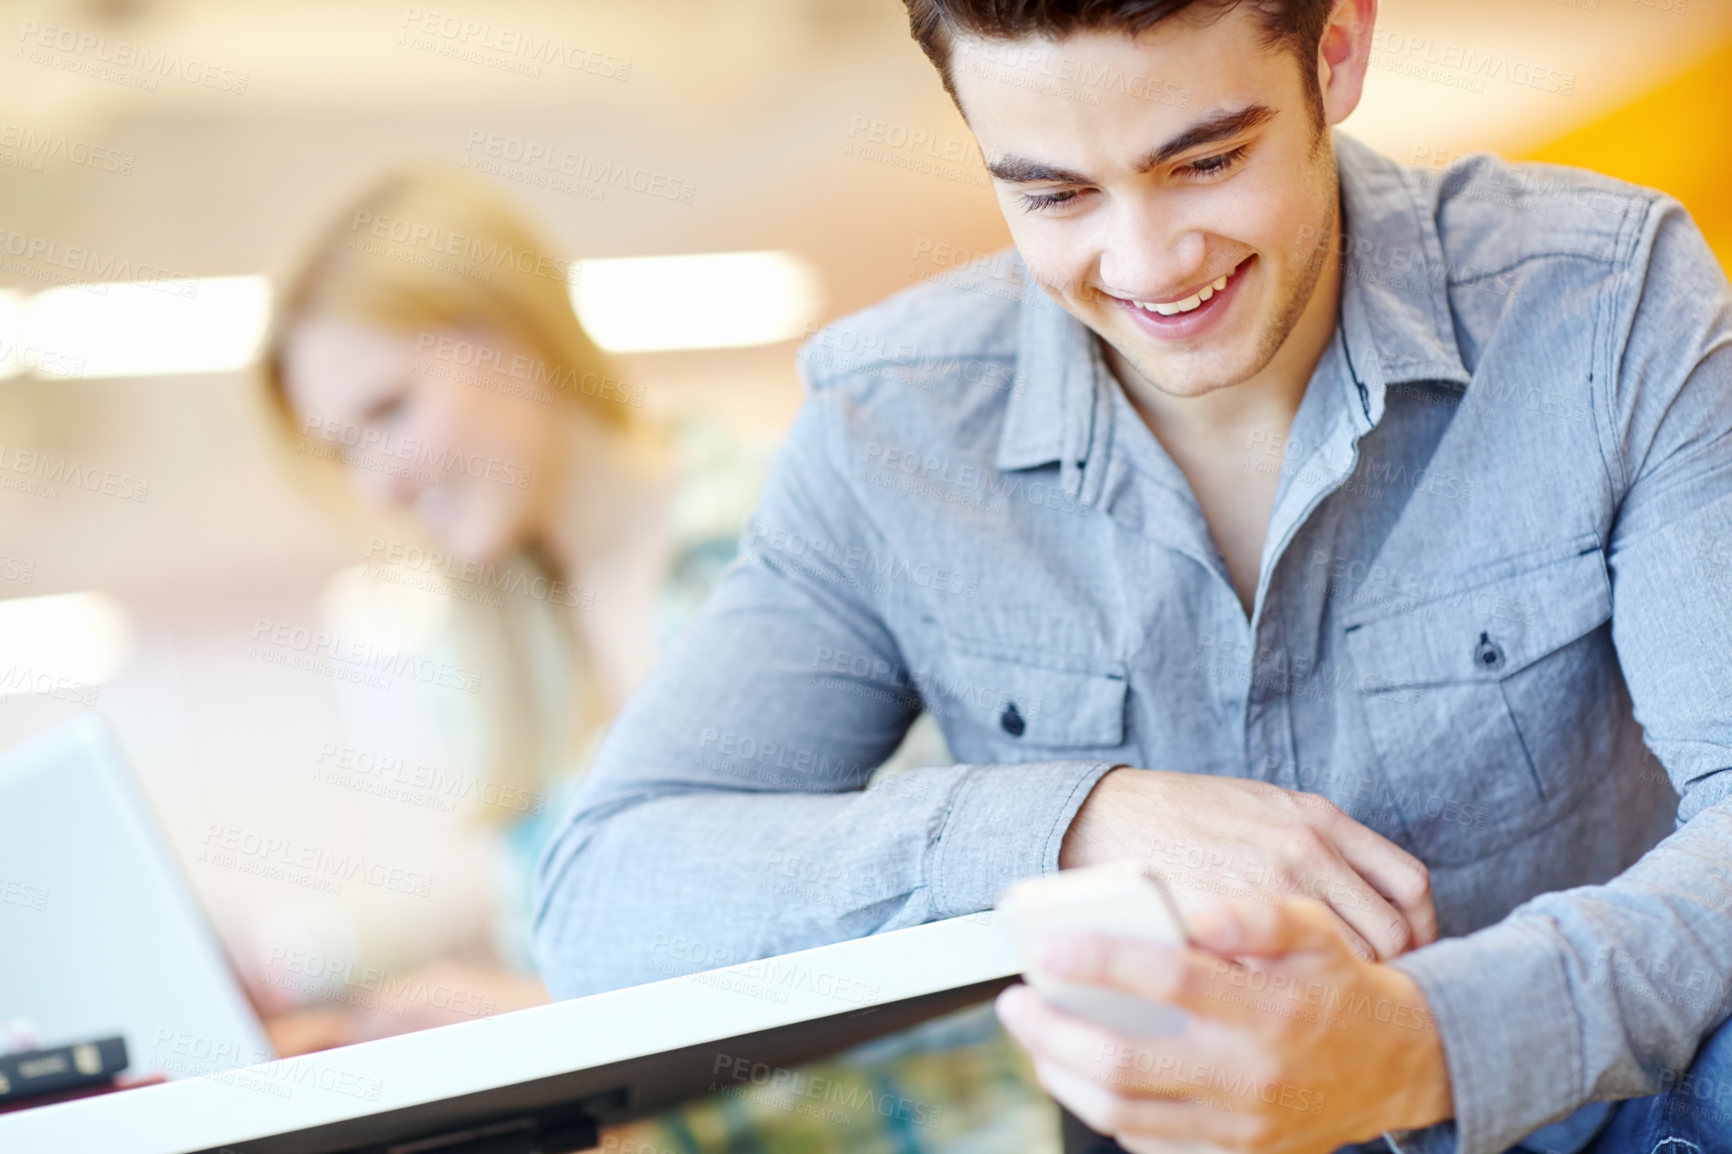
{"x":728,"y":816}
{"x":1605,"y":992}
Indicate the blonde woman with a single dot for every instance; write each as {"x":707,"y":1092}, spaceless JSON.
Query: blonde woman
{"x":427,"y":349}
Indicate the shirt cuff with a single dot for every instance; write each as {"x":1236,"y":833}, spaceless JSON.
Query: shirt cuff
{"x":1510,"y":1030}
{"x":1006,"y":823}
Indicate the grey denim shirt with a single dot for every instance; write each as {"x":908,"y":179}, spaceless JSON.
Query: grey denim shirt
{"x":1493,"y":622}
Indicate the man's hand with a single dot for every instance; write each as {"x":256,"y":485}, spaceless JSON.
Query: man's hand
{"x":1208,"y":837}
{"x":1299,"y":1048}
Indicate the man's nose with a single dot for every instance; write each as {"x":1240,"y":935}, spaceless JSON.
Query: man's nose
{"x":1147,"y":254}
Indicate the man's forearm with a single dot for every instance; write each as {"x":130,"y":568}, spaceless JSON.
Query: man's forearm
{"x":638,"y":889}
{"x":1588,"y":993}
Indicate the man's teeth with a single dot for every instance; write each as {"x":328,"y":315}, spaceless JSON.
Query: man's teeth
{"x":1189,"y":303}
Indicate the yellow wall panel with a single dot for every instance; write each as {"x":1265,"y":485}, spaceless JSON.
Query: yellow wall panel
{"x":1677,"y":138}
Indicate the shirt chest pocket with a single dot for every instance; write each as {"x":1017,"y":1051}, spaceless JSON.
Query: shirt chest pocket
{"x":1001,"y":708}
{"x":1491,"y":709}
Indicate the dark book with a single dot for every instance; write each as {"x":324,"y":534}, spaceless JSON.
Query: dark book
{"x":32,"y":1073}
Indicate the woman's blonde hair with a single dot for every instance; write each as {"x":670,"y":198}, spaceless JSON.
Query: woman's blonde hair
{"x":431,"y":247}
{"x":428,"y":249}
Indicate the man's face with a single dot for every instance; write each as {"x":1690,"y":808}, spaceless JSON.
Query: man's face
{"x":1170,"y":191}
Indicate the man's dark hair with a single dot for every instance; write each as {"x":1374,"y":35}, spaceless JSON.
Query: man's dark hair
{"x":1295,"y":26}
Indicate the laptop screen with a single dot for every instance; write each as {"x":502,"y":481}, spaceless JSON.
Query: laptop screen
{"x":102,"y":933}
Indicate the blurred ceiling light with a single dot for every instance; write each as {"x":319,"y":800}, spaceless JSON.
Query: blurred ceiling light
{"x":61,"y":642}
{"x":712,"y":300}
{"x":146,"y":328}
{"x":11,"y":351}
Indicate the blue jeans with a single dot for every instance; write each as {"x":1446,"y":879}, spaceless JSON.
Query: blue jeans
{"x":1692,"y":1115}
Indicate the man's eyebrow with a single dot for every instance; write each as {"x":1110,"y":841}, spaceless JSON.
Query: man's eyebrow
{"x":1221,"y":126}
{"x":1018,"y":170}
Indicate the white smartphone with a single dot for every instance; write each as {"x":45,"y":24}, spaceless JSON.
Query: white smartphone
{"x":1116,"y":899}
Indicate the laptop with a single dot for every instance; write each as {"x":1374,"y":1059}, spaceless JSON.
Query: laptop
{"x":119,"y":946}
{"x":99,"y":931}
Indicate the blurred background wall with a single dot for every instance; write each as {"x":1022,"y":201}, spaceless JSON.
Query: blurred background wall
{"x":782,"y":117}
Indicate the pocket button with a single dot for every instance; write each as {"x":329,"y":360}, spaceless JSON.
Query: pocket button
{"x":1488,"y":654}
{"x":1011,"y":721}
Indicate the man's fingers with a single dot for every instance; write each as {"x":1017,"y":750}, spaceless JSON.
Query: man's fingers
{"x":1171,"y":975}
{"x":1250,"y":929}
{"x":1374,"y":921}
{"x":1154,"y":1121}
{"x":1147,"y":1065}
{"x":1393,"y":872}
{"x":1355,"y":940}
{"x":1314,"y":865}
{"x":1135,"y":1145}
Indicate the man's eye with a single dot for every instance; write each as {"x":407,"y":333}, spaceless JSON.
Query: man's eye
{"x":1039,"y":202}
{"x":1216,"y":165}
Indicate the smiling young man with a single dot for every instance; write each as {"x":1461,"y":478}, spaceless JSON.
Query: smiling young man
{"x":1346,"y":541}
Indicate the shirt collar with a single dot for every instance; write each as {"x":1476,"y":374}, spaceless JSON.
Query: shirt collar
{"x":1395,"y":314}
{"x":1054,"y":383}
{"x":1395,"y":321}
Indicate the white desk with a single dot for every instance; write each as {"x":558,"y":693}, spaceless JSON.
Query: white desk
{"x":629,"y":1052}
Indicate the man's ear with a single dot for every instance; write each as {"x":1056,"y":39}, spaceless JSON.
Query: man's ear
{"x":1343,"y":55}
